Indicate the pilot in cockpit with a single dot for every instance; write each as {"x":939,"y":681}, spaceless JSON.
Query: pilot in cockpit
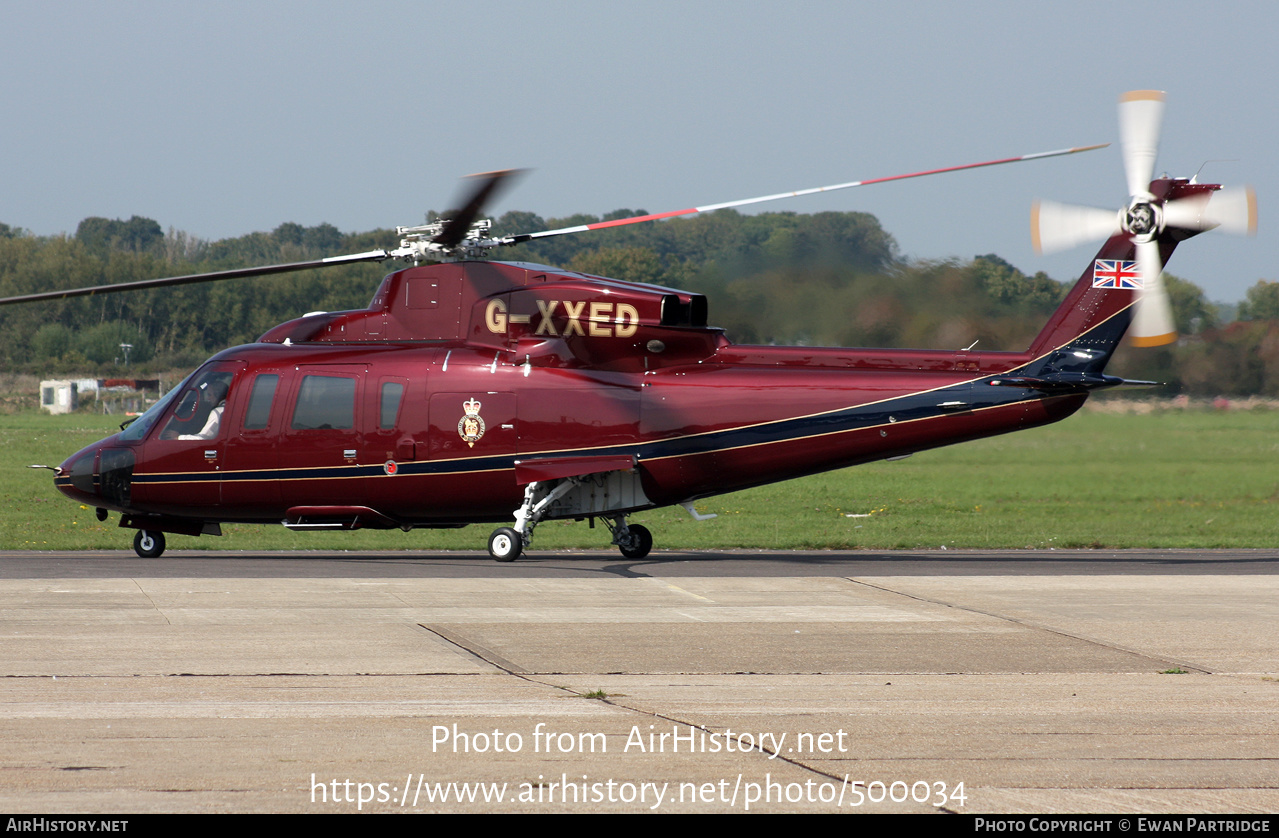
{"x":199,"y":408}
{"x":214,"y":401}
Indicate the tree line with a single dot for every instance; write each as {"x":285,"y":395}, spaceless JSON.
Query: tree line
{"x":831,"y":278}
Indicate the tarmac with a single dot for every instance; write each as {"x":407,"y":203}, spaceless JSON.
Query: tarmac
{"x":734,"y":691}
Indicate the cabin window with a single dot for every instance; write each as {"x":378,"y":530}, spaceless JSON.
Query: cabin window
{"x":392,"y":391}
{"x":259,"y":412}
{"x":325,"y":402}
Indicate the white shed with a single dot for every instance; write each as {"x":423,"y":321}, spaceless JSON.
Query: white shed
{"x":59,"y":396}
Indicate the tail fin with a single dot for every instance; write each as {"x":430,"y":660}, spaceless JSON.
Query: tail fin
{"x":1086,"y":328}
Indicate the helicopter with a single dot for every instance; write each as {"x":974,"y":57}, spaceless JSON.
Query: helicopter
{"x":472,"y":391}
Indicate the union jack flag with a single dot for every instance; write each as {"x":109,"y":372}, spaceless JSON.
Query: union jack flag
{"x":1116,"y":273}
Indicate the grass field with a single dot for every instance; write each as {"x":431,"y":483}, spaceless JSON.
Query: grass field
{"x":1171,"y":478}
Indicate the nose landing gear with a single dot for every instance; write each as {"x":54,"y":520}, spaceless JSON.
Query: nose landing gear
{"x":148,"y":544}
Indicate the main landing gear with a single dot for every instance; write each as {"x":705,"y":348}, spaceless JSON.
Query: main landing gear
{"x":507,"y":543}
{"x":635,"y":541}
{"x":149,"y":544}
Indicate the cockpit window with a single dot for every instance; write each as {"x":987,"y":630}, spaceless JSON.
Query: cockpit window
{"x":138,"y":428}
{"x":198,"y":412}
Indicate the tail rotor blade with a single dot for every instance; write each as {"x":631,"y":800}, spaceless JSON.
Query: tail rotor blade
{"x":1140,"y":118}
{"x":1235,"y":209}
{"x":1189,"y":213}
{"x":1146,"y":220}
{"x":1056,"y":226}
{"x":1152,"y":324}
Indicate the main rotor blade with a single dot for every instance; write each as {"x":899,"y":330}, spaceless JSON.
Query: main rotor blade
{"x":1141,"y":114}
{"x":459,"y":224}
{"x":1055,"y":226}
{"x":744,"y":202}
{"x":1152,"y":323}
{"x":215,"y":276}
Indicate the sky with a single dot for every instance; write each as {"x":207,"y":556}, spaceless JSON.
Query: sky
{"x":225,"y":118}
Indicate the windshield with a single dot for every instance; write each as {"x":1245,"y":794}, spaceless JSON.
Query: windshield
{"x":138,"y":428}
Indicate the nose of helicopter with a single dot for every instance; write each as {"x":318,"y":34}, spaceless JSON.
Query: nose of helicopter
{"x":98,"y":475}
{"x":76,"y":477}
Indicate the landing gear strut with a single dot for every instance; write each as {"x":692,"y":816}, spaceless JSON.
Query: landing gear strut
{"x":149,"y":544}
{"x":634,"y":540}
{"x":507,"y":543}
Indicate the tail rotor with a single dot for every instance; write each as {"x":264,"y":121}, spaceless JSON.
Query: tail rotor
{"x":1146,"y":216}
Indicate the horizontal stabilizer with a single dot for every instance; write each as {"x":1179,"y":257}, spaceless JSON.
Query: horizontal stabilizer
{"x":1076,"y":382}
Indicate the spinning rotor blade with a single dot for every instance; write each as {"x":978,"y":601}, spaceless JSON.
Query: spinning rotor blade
{"x":370,"y":256}
{"x":1056,"y":226}
{"x":454,"y":237}
{"x":453,"y":232}
{"x":1152,"y":323}
{"x":1233,"y":210}
{"x":1141,"y":114}
{"x":1144,"y":220}
{"x":460,"y":221}
{"x":744,"y":202}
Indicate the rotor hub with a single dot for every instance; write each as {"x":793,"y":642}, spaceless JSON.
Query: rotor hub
{"x":1142,"y":219}
{"x":422,"y":243}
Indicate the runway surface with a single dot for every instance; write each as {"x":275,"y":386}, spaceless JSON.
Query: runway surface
{"x":960,"y":681}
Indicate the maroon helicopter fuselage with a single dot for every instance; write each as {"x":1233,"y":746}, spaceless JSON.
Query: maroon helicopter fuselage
{"x":463,"y":383}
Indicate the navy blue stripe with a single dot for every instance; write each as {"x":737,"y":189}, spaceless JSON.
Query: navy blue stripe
{"x":912,"y":407}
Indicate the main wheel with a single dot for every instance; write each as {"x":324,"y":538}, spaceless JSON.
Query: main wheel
{"x":148,"y":544}
{"x":639,"y":543}
{"x":505,"y":544}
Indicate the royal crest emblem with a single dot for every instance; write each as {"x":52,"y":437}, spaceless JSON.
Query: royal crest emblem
{"x":471,"y":426}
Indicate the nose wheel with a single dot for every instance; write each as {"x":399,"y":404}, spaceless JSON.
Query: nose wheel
{"x":148,"y":544}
